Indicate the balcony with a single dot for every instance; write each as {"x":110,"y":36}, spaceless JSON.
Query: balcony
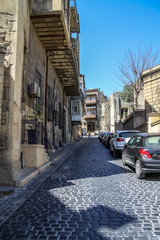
{"x":92,"y":93}
{"x":51,"y":20}
{"x":74,"y":17}
{"x":76,"y":111}
{"x":77,"y":119}
{"x":90,"y":117}
{"x":91,"y":102}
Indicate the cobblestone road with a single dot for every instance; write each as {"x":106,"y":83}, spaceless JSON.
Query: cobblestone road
{"x":90,"y":197}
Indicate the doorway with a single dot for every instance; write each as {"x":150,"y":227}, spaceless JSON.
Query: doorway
{"x":91,"y":127}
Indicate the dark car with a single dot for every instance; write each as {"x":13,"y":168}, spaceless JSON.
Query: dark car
{"x":101,"y":136}
{"x":107,"y":139}
{"x":104,"y":137}
{"x":142,"y":152}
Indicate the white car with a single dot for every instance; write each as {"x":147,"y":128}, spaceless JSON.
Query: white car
{"x":119,"y":139}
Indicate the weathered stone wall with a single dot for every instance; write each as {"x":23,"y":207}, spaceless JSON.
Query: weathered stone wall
{"x":152,"y":92}
{"x":136,"y":120}
{"x":8,"y":36}
{"x":13,"y":27}
{"x":151,"y":80}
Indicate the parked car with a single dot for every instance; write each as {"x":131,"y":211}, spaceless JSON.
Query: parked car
{"x":107,"y":140}
{"x":119,"y":139}
{"x":142,"y":152}
{"x":100,"y":134}
{"x":104,"y":137}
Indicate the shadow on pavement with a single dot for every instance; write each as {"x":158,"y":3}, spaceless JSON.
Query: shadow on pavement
{"x":44,"y":215}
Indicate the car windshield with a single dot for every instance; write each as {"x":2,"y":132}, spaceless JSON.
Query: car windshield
{"x":127,"y":134}
{"x":152,"y":141}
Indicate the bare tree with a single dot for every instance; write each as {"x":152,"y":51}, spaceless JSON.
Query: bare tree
{"x":133,"y":66}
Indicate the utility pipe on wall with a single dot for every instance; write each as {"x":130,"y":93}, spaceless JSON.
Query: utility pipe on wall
{"x":46,"y":102}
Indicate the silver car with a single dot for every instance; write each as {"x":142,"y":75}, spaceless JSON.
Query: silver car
{"x":119,"y":139}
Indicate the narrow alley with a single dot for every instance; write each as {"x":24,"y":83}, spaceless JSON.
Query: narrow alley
{"x":91,"y":196}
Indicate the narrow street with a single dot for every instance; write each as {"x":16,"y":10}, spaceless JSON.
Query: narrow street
{"x":90,"y":197}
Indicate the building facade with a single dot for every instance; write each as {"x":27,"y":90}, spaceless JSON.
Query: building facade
{"x":94,"y":118}
{"x":151,"y":80}
{"x":147,"y":117}
{"x":116,"y":112}
{"x":39,"y":72}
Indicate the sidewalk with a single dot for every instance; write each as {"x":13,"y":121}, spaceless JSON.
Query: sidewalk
{"x":17,"y":196}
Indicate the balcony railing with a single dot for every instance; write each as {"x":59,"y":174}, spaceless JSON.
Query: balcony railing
{"x":91,"y":102}
{"x":90,"y":117}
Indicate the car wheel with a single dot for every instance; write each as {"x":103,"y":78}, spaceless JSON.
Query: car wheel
{"x":115,"y":154}
{"x":123,"y":160}
{"x":138,"y":170}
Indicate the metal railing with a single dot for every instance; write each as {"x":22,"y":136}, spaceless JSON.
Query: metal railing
{"x":33,"y":132}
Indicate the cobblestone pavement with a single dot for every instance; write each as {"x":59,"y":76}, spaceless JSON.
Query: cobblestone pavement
{"x":89,"y":197}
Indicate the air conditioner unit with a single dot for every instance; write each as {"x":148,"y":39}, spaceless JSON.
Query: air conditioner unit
{"x":34,"y":90}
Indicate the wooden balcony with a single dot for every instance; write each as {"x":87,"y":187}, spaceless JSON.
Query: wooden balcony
{"x":51,"y":24}
{"x":90,"y":116}
{"x":91,"y":102}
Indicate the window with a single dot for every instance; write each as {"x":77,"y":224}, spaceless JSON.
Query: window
{"x":135,"y":141}
{"x":87,"y":112}
{"x":124,"y":112}
{"x":132,"y":141}
{"x":152,"y":141}
{"x":127,"y":134}
{"x":81,"y":85}
{"x":138,"y":141}
{"x":93,"y":112}
{"x":49,"y":111}
{"x":38,"y":80}
{"x":75,"y":108}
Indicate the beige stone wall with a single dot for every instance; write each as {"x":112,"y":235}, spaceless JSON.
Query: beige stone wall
{"x":151,"y":79}
{"x":12,"y":38}
{"x":153,"y":122}
{"x":152,"y":93}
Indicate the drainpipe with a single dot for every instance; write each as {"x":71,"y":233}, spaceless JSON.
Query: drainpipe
{"x":45,"y":105}
{"x":63,"y":124}
{"x":54,"y":88}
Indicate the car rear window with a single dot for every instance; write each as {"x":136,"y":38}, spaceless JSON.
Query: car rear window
{"x":127,"y":134}
{"x":152,"y":141}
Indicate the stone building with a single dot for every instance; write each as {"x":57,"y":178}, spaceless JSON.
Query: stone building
{"x":151,"y":80}
{"x":116,"y":112}
{"x":39,"y":72}
{"x":94,"y":118}
{"x":147,"y":117}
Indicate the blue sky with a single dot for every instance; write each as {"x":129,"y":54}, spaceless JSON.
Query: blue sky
{"x":108,"y":28}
